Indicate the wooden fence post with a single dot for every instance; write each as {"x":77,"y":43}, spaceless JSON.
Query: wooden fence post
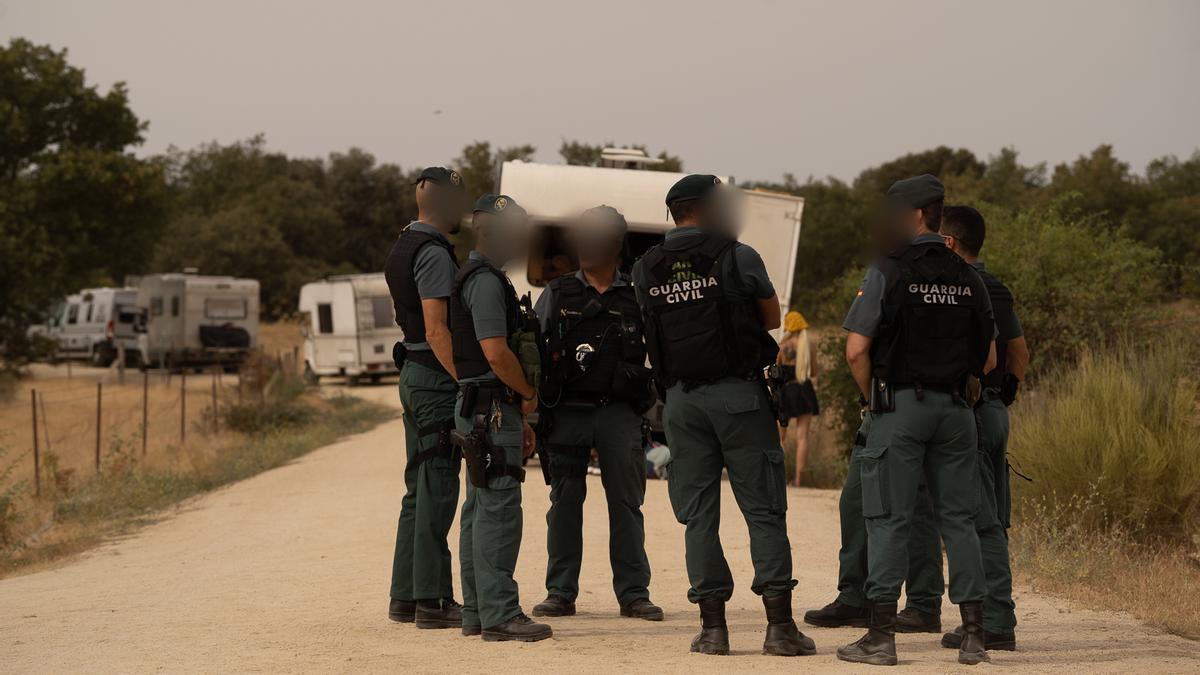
{"x":99,"y":399}
{"x":121,"y":364}
{"x":145,"y":408}
{"x":37,"y":460}
{"x":182,"y":407}
{"x":215,"y":411}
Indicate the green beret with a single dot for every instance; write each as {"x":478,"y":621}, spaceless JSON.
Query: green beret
{"x":695,"y":186}
{"x":498,"y":205}
{"x":918,"y":191}
{"x":440,"y":175}
{"x":608,"y":217}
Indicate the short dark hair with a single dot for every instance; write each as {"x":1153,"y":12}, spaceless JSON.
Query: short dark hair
{"x":933,"y":214}
{"x":966,"y":225}
{"x":683,"y":209}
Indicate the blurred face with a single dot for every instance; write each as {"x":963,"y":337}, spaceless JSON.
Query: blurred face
{"x":595,"y":244}
{"x":447,"y":205}
{"x":503,"y":238}
{"x":720,"y":213}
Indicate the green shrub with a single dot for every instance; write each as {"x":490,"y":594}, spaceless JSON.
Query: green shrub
{"x":1077,"y":286}
{"x":1113,"y":442}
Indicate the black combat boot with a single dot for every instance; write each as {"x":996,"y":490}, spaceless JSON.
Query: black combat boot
{"x":836,"y":615}
{"x":554,"y":605}
{"x":783,"y":638}
{"x":472,"y":630}
{"x":713,"y":637}
{"x":402,"y":611}
{"x":642,"y":608}
{"x":1006,"y":641}
{"x":972,"y":650}
{"x":439,"y":614}
{"x":878,"y":646}
{"x":520,"y":628}
{"x":913,"y":620}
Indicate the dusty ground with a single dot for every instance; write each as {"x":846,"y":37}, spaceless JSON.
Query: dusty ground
{"x":289,"y":571}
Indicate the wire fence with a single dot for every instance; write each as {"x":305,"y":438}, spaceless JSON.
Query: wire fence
{"x":65,"y":427}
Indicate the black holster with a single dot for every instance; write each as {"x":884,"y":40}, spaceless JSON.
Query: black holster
{"x":775,"y":378}
{"x":883,"y":396}
{"x":545,"y":425}
{"x":483,"y":459}
{"x":445,"y":447}
{"x":399,"y":354}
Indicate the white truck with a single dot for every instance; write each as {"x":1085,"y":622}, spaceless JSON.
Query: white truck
{"x":190,"y":320}
{"x":349,"y":328}
{"x":554,"y":195}
{"x":93,"y":324}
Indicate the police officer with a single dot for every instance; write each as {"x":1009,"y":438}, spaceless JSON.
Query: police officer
{"x":708,"y":305}
{"x":963,"y":230}
{"x":420,"y":273}
{"x":920,"y":326}
{"x":495,"y":395}
{"x":595,"y":390}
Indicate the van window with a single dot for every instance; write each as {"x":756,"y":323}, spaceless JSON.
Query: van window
{"x":383,"y":311}
{"x":324,"y":318}
{"x":174,"y":305}
{"x":225,"y":308}
{"x":156,"y":306}
{"x":126,"y":314}
{"x":73,"y":314}
{"x":549,"y":257}
{"x":88,"y":317}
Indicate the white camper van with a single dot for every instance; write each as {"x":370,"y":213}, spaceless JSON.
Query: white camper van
{"x":555,"y":194}
{"x":350,"y":327}
{"x":93,"y":323}
{"x":193,"y":320}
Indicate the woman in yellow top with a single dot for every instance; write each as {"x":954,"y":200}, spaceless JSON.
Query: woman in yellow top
{"x":798,"y":356}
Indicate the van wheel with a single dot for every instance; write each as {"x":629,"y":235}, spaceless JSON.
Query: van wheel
{"x":102,"y":356}
{"x":311,"y":378}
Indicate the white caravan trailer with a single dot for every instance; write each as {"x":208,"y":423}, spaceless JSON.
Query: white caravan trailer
{"x":350,"y":327}
{"x":193,"y":320}
{"x":555,"y":194}
{"x":93,"y":323}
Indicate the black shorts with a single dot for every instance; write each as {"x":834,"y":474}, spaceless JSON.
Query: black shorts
{"x":800,"y":398}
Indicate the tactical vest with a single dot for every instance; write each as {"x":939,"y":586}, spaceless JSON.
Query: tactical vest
{"x":934,"y":332}
{"x":402,"y":283}
{"x":695,"y":331}
{"x":469,"y":360}
{"x":591,"y":336}
{"x":1002,"y":309}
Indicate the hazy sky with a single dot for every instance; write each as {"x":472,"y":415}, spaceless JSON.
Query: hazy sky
{"x":752,"y":89}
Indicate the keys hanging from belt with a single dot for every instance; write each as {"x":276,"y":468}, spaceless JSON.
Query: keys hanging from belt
{"x":496,"y":418}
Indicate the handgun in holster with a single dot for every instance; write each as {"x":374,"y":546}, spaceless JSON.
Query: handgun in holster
{"x":775,"y":379}
{"x":883,"y":396}
{"x":476,"y":455}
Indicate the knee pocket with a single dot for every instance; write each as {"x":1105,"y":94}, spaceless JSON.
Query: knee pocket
{"x":873,"y":474}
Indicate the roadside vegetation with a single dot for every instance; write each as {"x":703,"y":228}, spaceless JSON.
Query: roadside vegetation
{"x":277,"y":420}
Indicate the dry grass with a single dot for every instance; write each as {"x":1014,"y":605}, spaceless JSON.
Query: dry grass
{"x":281,"y":337}
{"x":1112,"y":517}
{"x":80,"y":505}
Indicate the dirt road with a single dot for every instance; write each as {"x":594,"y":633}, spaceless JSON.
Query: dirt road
{"x":289,"y":571}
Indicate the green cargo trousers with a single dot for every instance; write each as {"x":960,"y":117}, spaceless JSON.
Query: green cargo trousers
{"x":992,"y":521}
{"x":490,"y":529}
{"x":852,"y":557}
{"x":421,"y":562}
{"x":615,"y":431}
{"x":728,"y":425}
{"x":932,"y":438}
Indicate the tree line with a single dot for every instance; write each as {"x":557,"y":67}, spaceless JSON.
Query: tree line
{"x":78,"y":208}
